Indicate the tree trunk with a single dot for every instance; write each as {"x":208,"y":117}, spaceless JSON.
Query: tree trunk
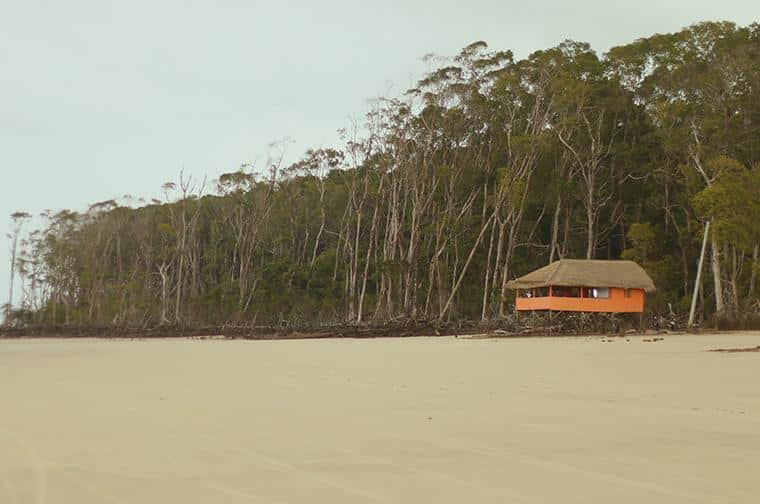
{"x":555,"y":230}
{"x":753,"y":273}
{"x":720,"y":307}
{"x":464,"y":269}
{"x":591,"y":239}
{"x":164,"y":280}
{"x":14,"y":247}
{"x":372,"y":231}
{"x":321,"y":224}
{"x":484,"y":312}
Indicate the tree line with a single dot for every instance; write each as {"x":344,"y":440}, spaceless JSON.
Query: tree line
{"x":490,"y":167}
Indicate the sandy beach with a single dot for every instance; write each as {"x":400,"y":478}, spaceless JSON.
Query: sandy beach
{"x":443,"y":420}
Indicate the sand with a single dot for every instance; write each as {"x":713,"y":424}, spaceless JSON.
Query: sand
{"x":440,"y":420}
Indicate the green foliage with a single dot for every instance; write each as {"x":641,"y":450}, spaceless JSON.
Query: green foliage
{"x":732,"y":202}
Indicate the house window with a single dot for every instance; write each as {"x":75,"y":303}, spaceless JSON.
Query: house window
{"x":541,"y":292}
{"x":596,"y":292}
{"x":572,"y":292}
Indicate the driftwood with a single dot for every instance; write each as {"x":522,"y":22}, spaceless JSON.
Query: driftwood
{"x":525,"y":324}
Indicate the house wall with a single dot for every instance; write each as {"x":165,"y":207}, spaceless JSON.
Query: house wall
{"x":616,"y":303}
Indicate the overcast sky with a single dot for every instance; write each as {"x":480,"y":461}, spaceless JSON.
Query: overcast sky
{"x":99,"y":99}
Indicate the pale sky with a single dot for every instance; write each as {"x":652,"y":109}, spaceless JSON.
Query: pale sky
{"x":99,"y":99}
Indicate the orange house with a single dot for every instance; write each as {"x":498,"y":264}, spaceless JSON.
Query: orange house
{"x":584,"y":286}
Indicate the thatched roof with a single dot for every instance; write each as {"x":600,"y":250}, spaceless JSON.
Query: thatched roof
{"x":587,"y":273}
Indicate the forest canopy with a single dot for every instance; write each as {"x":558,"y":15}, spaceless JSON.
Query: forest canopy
{"x":490,"y":167}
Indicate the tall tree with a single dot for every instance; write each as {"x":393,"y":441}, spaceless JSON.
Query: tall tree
{"x":18,"y":219}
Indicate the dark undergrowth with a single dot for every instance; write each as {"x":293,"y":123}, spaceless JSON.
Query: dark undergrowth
{"x":523,"y":324}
